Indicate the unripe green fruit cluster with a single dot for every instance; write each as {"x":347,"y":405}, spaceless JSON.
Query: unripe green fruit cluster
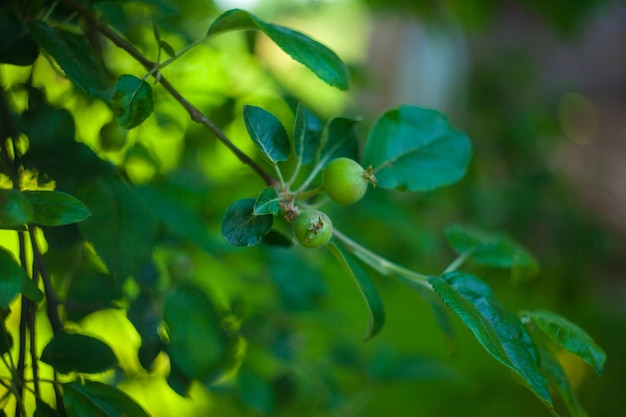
{"x":345,"y":181}
{"x":313,"y":228}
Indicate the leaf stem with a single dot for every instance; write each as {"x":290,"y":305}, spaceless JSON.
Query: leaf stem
{"x":195,"y":114}
{"x":380,"y":264}
{"x":460,"y":260}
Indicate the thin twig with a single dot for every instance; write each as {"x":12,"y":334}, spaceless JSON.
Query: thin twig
{"x":195,"y":114}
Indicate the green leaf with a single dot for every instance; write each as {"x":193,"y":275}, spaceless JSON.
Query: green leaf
{"x":491,"y":249}
{"x":122,"y":227}
{"x":256,"y":392}
{"x":143,"y":314}
{"x":568,"y":336}
{"x":315,"y":56}
{"x":44,"y":410}
{"x":197,"y":343}
{"x":73,"y":55}
{"x":376,"y":311}
{"x":341,"y":139}
{"x":96,"y":399}
{"x":54,"y":208}
{"x":553,"y":371}
{"x":17,"y":46}
{"x":15,"y":209}
{"x":267,"y":133}
{"x":307,"y":134}
{"x":167,"y":48}
{"x":6,"y":341}
{"x":387,"y":365}
{"x":13,"y":281}
{"x":497,"y":329}
{"x":71,"y":352}
{"x":415,"y":149}
{"x":132,"y":101}
{"x":89,"y":291}
{"x":267,"y":202}
{"x":240,"y":227}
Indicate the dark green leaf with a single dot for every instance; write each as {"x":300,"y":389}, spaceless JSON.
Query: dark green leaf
{"x":13,"y":281}
{"x":44,"y":410}
{"x":73,"y":55}
{"x":96,"y":399}
{"x":553,"y":371}
{"x":88,"y":291}
{"x":315,"y":56}
{"x":267,"y":133}
{"x":341,"y":140}
{"x":197,"y":343}
{"x":54,"y":208}
{"x":6,"y":341}
{"x":307,"y":134}
{"x":276,"y":238}
{"x":415,"y":149}
{"x":241,"y":228}
{"x":178,"y":381}
{"x":376,"y":312}
{"x":167,"y":48}
{"x":144,"y":316}
{"x":122,"y":227}
{"x":15,"y":209}
{"x":71,"y":352}
{"x":498,"y":330}
{"x":491,"y":249}
{"x":255,"y":391}
{"x":267,"y":202}
{"x":16,"y":45}
{"x":132,"y":101}
{"x":568,"y":336}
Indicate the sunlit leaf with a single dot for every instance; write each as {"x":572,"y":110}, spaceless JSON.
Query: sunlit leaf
{"x":416,"y":149}
{"x":491,"y":249}
{"x":15,"y":209}
{"x":132,"y":101}
{"x":73,"y":55}
{"x":341,"y":139}
{"x":95,"y":399}
{"x":375,"y":309}
{"x":54,"y":208}
{"x":17,"y":47}
{"x":555,"y":374}
{"x":497,"y":329}
{"x":240,"y":227}
{"x":267,"y":202}
{"x":13,"y":281}
{"x":267,"y":133}
{"x":197,"y":343}
{"x":122,"y":227}
{"x":315,"y":56}
{"x":307,"y":134}
{"x":569,"y":336}
{"x":71,"y":352}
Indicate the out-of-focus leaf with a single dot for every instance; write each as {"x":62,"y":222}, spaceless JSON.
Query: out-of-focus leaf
{"x":255,"y":392}
{"x":267,"y":202}
{"x":307,"y":134}
{"x":276,"y":238}
{"x":71,"y":352}
{"x":569,"y":336}
{"x":15,"y":209}
{"x":17,"y":46}
{"x":179,"y":381}
{"x":132,"y":101}
{"x":13,"y":281}
{"x":44,"y":410}
{"x":143,"y":315}
{"x":341,"y":140}
{"x":415,"y":149}
{"x":197,"y":343}
{"x":390,"y":366}
{"x":89,"y":291}
{"x":491,"y":249}
{"x":240,"y":227}
{"x":376,"y":312}
{"x":553,"y":371}
{"x":96,"y":399}
{"x":54,"y":208}
{"x":73,"y":55}
{"x":122,"y":227}
{"x":267,"y":133}
{"x":6,"y":341}
{"x":315,"y":56}
{"x":497,"y":329}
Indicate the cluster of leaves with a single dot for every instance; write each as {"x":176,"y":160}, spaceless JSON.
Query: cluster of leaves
{"x":102,"y":233}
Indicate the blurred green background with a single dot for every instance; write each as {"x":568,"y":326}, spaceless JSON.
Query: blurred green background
{"x":539,"y":86}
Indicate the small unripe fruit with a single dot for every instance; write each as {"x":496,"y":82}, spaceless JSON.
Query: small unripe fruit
{"x":345,"y":181}
{"x":313,"y":228}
